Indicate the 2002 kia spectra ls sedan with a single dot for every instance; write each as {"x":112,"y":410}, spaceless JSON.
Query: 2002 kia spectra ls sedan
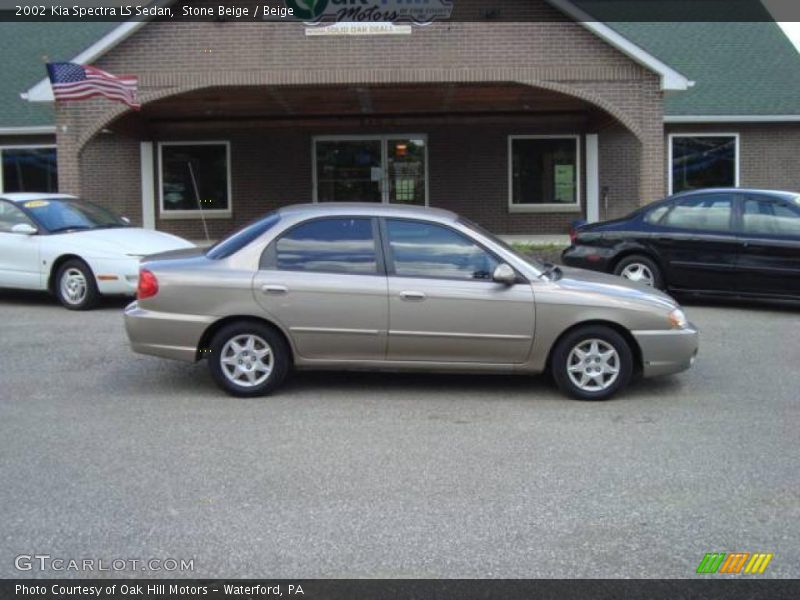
{"x":391,"y":287}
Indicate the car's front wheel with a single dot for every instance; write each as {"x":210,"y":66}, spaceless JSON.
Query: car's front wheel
{"x":75,"y":286}
{"x":592,"y":363}
{"x":640,"y":269}
{"x":248,"y":359}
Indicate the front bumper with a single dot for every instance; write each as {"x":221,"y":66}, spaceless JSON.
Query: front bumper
{"x":116,"y":276}
{"x":168,"y":335}
{"x":665,"y":352}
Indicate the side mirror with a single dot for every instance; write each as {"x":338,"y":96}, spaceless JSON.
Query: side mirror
{"x":24,"y":229}
{"x":126,"y":220}
{"x":504,"y":274}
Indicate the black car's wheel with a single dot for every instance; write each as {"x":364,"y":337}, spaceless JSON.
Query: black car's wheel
{"x":75,"y":286}
{"x":248,"y":359}
{"x":592,"y":363}
{"x":640,"y":268}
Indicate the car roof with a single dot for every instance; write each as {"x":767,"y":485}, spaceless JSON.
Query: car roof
{"x":779,"y":193}
{"x":368,"y":209}
{"x":25,"y":196}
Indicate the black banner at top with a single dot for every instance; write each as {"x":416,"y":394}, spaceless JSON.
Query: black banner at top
{"x":419,"y":12}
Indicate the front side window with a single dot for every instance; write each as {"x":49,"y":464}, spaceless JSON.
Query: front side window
{"x":703,"y":162}
{"x":29,"y":170}
{"x":10,"y":215}
{"x":766,"y":217}
{"x":544,"y":171}
{"x":707,"y":212}
{"x":344,"y":245}
{"x":430,"y":250}
{"x":195,"y":177}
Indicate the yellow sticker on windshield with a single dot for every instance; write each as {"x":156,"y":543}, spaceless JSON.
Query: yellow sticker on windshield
{"x":36,"y":204}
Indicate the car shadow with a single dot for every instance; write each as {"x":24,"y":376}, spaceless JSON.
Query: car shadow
{"x":33,"y":298}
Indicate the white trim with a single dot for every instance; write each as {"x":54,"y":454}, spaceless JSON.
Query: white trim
{"x":33,"y":130}
{"x":592,"y":178}
{"x":552,"y":207}
{"x":697,"y":119}
{"x":148,"y":185}
{"x":670,"y":78}
{"x":195,"y":213}
{"x":701,"y":134}
{"x":384,"y":140}
{"x":23,"y":147}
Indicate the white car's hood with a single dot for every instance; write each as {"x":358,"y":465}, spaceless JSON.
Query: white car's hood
{"x":124,"y":241}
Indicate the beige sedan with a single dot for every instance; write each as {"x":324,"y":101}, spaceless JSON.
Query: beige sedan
{"x":341,"y":286}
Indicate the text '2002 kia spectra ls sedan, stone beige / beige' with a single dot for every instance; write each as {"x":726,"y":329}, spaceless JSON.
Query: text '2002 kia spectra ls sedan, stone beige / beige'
{"x":399,"y":288}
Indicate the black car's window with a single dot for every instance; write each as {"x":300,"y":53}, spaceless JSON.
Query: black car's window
{"x":707,"y":212}
{"x":343,"y":245}
{"x":240,"y":239}
{"x":10,"y":215}
{"x":655,"y":215}
{"x":762,"y":216}
{"x":429,"y":250}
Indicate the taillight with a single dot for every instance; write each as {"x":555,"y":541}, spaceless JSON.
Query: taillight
{"x":148,"y":285}
{"x":573,"y":235}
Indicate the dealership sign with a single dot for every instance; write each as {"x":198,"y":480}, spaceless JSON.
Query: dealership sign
{"x":371,"y":11}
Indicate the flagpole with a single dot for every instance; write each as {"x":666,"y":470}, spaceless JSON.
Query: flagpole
{"x":197,"y":197}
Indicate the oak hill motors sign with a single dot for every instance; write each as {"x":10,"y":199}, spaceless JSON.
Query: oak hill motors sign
{"x":371,"y":11}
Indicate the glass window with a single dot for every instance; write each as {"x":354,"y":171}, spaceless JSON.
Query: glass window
{"x":30,"y":170}
{"x":329,"y":245}
{"x":429,"y":250}
{"x":349,"y":171}
{"x":10,"y":215}
{"x":767,"y":217}
{"x":406,"y":171}
{"x":544,"y":171}
{"x":195,"y":176}
{"x":654,"y":216}
{"x":709,"y":212}
{"x":703,"y":162}
{"x":242,"y":237}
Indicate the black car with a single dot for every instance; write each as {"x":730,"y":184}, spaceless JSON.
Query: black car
{"x":727,"y":241}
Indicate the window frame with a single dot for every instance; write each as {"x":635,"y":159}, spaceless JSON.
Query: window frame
{"x":25,"y":147}
{"x":389,"y":255}
{"x":269,"y":257}
{"x":383,"y":138}
{"x":194,"y":213}
{"x":573,"y":207}
{"x":703,"y":134}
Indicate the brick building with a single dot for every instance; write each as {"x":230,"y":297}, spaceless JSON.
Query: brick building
{"x":520,"y":126}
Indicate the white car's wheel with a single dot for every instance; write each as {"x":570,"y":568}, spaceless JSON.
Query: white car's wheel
{"x":75,"y":285}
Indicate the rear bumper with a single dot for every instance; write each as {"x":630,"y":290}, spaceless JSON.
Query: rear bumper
{"x":588,"y":257}
{"x":667,"y":352}
{"x":168,"y":335}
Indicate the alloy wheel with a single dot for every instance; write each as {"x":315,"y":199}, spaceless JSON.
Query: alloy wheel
{"x":247,"y":360}
{"x":593,"y":365}
{"x":73,"y":286}
{"x":638,"y":272}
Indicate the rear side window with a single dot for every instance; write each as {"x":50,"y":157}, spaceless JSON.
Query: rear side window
{"x":655,"y":215}
{"x":241,"y":238}
{"x":707,"y":212}
{"x":342,"y":245}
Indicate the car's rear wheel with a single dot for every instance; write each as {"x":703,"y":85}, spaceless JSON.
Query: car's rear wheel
{"x":248,"y":359}
{"x":592,"y":363}
{"x":75,"y":285}
{"x":640,"y":269}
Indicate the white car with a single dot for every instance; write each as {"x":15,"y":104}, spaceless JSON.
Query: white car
{"x":72,"y":248}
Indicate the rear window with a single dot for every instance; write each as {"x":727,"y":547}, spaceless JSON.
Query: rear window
{"x":242,"y":238}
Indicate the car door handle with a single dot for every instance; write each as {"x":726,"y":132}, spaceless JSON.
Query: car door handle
{"x":412,"y":296}
{"x":274,"y":289}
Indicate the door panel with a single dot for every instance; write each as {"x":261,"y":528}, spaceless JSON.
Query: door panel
{"x":19,"y":253}
{"x":698,"y":245}
{"x":769,"y":258}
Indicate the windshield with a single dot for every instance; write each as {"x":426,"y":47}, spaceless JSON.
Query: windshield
{"x":535,"y":263}
{"x":68,"y":214}
{"x":240,"y":238}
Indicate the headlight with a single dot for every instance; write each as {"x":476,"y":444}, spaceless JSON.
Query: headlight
{"x":677,"y":319}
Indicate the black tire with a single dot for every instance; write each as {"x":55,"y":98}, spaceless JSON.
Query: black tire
{"x":248,"y":361}
{"x":646,"y":264}
{"x":560,"y":363}
{"x":69,"y":290}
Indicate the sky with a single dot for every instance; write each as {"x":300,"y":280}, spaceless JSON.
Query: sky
{"x":793,"y":31}
{"x":782,"y":9}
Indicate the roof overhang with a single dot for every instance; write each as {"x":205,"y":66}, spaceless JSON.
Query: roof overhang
{"x":671,"y":80}
{"x":697,"y":119}
{"x":33,"y":130}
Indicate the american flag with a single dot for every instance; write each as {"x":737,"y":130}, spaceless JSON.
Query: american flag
{"x":78,"y":82}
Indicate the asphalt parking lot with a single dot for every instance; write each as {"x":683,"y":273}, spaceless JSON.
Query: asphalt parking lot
{"x":111,"y":455}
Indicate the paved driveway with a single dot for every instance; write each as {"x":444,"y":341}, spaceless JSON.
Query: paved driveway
{"x":110,"y":455}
